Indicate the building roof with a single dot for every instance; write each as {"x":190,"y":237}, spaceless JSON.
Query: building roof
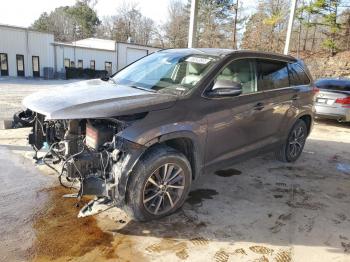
{"x":23,"y":28}
{"x":96,"y":43}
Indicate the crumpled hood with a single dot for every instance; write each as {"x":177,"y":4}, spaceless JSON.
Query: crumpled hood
{"x":95,"y":99}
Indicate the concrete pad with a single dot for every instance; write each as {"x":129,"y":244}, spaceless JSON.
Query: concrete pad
{"x":19,"y":201}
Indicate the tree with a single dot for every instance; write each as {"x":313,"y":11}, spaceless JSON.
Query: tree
{"x":266,"y":29}
{"x":69,"y":23}
{"x":128,"y":25}
{"x":176,"y":27}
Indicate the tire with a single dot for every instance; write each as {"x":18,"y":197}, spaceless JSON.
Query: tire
{"x":296,"y":139}
{"x":148,"y":197}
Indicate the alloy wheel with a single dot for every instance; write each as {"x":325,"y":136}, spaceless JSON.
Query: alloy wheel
{"x":296,"y":141}
{"x":164,"y":189}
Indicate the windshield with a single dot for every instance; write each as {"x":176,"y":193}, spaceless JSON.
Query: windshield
{"x":166,"y":72}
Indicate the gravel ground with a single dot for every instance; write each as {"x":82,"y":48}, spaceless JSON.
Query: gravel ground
{"x":257,"y":210}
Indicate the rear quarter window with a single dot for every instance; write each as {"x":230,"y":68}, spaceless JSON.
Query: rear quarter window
{"x":297,"y":75}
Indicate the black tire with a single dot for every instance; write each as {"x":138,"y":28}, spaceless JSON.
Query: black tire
{"x":153,"y":164}
{"x":295,"y":140}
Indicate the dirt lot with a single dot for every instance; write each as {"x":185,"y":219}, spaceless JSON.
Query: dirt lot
{"x":258,"y":210}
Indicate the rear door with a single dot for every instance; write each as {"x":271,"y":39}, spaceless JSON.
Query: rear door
{"x":273,"y":80}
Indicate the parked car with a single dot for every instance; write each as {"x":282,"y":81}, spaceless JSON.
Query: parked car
{"x":139,"y":138}
{"x":333,"y":100}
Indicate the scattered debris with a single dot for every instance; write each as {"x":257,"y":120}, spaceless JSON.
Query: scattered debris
{"x":344,"y":168}
{"x":96,"y":206}
{"x":346,"y":247}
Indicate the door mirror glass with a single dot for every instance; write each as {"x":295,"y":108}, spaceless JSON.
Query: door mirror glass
{"x":226,"y":88}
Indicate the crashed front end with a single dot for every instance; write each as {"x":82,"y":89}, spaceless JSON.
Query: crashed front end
{"x":89,"y":154}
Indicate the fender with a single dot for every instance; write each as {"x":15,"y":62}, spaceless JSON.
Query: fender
{"x":299,"y":115}
{"x":134,"y":153}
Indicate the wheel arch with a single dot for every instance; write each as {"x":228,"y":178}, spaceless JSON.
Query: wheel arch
{"x":185,"y":142}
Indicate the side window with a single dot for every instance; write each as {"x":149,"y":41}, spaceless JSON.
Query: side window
{"x":297,"y":75}
{"x":272,"y":75}
{"x":243,"y":72}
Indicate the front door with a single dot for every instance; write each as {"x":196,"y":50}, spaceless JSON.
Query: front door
{"x":36,"y":66}
{"x":236,"y":125}
{"x":4,"y":65}
{"x":20,"y":65}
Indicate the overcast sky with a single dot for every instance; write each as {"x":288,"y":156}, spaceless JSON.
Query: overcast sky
{"x":24,"y":12}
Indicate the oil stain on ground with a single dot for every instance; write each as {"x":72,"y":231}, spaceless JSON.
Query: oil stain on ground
{"x":228,"y":172}
{"x":196,"y":197}
{"x":61,"y":236}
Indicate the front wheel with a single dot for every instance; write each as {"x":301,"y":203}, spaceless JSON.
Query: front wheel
{"x":291,"y":150}
{"x":159,"y":184}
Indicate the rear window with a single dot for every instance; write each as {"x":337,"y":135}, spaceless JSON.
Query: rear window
{"x":297,"y":75}
{"x":335,"y":85}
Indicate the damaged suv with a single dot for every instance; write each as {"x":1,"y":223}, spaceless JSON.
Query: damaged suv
{"x":138,"y":139}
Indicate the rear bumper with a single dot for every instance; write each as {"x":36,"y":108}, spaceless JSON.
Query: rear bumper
{"x":342,"y":118}
{"x":338,"y":113}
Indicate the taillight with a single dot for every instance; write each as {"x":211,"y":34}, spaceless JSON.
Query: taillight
{"x":344,"y":101}
{"x":315,"y":90}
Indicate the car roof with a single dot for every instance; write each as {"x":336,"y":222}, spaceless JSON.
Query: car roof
{"x":225,"y":52}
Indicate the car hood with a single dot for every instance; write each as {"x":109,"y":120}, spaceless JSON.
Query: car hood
{"x":95,"y":99}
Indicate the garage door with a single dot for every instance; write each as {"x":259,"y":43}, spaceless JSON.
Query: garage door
{"x":133,"y":54}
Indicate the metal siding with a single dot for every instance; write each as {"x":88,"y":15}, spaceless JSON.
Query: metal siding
{"x":122,"y":52}
{"x":27,"y":43}
{"x":30,"y":43}
{"x":77,"y":53}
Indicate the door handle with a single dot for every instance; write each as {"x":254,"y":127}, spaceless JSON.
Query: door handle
{"x":259,"y":106}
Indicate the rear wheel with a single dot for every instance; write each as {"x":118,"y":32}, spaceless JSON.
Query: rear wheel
{"x":159,"y":184}
{"x":291,"y":150}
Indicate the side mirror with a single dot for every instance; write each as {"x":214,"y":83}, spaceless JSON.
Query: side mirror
{"x":224,"y":88}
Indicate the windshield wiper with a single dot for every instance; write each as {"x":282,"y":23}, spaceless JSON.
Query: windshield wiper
{"x":142,"y":88}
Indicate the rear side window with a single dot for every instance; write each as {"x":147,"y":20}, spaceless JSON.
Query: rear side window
{"x":335,"y":85}
{"x":297,"y":75}
{"x":272,"y":75}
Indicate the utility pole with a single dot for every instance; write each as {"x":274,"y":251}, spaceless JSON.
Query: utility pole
{"x":192,"y":31}
{"x":235,"y":25}
{"x":290,"y":26}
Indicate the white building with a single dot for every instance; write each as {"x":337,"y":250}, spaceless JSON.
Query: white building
{"x":24,"y":52}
